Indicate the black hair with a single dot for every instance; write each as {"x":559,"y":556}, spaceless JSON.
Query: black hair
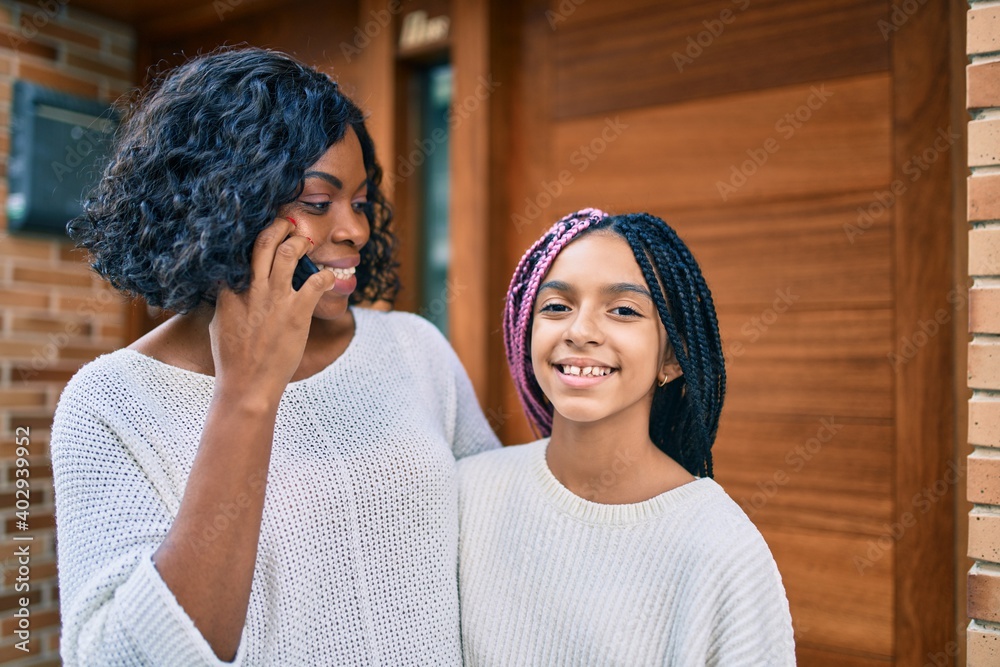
{"x":203,"y":161}
{"x":684,"y":419}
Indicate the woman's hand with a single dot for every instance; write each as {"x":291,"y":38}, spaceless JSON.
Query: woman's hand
{"x":259,"y":336}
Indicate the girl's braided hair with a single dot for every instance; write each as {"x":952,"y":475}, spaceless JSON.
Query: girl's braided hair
{"x":685,"y":413}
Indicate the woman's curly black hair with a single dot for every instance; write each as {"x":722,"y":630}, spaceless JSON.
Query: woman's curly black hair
{"x":203,"y":162}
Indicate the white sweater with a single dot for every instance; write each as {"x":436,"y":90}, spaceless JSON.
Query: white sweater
{"x":357,"y":556}
{"x":548,"y":578}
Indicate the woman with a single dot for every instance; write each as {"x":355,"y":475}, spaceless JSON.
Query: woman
{"x":268,"y":476}
{"x":607,"y":542}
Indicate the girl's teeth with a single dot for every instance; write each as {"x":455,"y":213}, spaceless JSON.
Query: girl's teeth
{"x":586,"y":371}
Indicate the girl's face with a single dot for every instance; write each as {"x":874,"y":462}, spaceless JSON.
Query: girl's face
{"x":597,"y":344}
{"x":331,"y":212}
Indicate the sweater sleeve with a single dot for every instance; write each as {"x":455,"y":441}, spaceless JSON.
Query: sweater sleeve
{"x":472,"y":432}
{"x":753,"y":626}
{"x":116,"y":609}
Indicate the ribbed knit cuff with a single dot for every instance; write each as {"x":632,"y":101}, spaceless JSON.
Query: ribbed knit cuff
{"x":161,"y":627}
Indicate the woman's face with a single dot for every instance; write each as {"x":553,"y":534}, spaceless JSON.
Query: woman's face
{"x":331,"y":212}
{"x":598,"y":347}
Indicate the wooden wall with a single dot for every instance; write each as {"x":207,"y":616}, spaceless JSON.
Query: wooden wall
{"x":759,"y":129}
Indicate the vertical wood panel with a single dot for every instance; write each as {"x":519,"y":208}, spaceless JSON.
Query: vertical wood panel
{"x":924,"y":569}
{"x":468,"y":213}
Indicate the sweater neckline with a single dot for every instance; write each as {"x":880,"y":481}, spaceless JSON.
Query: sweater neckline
{"x":599,"y":513}
{"x":359,"y":325}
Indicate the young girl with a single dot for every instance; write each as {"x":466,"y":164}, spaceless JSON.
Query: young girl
{"x":607,"y":542}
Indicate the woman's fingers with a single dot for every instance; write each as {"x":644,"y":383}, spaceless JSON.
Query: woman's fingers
{"x":286,"y":256}
{"x":266,"y":245}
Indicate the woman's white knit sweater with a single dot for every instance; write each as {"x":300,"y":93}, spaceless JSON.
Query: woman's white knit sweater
{"x":548,"y":578}
{"x":357,"y":556}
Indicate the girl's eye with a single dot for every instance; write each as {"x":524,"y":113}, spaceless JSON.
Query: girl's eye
{"x":625,"y":311}
{"x":363,"y":206}
{"x":554,"y":308}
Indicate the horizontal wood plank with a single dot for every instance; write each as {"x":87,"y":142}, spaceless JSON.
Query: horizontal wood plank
{"x":808,"y":362}
{"x":747,"y":253}
{"x":748,"y":147}
{"x":612,"y":56}
{"x":822,"y":473}
{"x":834,"y":604}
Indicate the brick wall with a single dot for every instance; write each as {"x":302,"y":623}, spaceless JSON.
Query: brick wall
{"x":983,"y":101}
{"x":54,"y":314}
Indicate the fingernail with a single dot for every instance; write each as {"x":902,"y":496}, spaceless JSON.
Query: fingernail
{"x":292,"y":221}
{"x":310,"y":240}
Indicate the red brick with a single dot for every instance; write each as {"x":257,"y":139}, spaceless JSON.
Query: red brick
{"x":52,"y":276}
{"x":984,"y":142}
{"x":122,"y":50}
{"x":47,"y":324}
{"x":24,"y":247}
{"x":64,"y":33}
{"x":984,"y":593}
{"x":982,"y":84}
{"x":98,"y":67}
{"x":984,"y":196}
{"x":984,"y":364}
{"x":54,"y":79}
{"x":13,"y":600}
{"x":984,"y":535}
{"x":22,"y":45}
{"x":983,"y":482}
{"x":983,"y":30}
{"x":984,"y":252}
{"x":39,"y":620}
{"x":36,"y":520}
{"x":13,"y":297}
{"x":39,"y":424}
{"x":109,"y":302}
{"x":984,"y":310}
{"x":23,"y":398}
{"x":983,"y":646}
{"x":984,"y":422}
{"x":70,"y":253}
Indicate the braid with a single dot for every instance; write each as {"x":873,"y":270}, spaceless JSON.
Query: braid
{"x":685,"y":413}
{"x":685,"y":420}
{"x":521,"y":301}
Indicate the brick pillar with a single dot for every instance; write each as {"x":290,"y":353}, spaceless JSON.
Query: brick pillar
{"x":55,"y":314}
{"x":983,"y":102}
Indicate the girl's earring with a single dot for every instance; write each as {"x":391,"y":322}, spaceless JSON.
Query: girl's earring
{"x":666,"y":378}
